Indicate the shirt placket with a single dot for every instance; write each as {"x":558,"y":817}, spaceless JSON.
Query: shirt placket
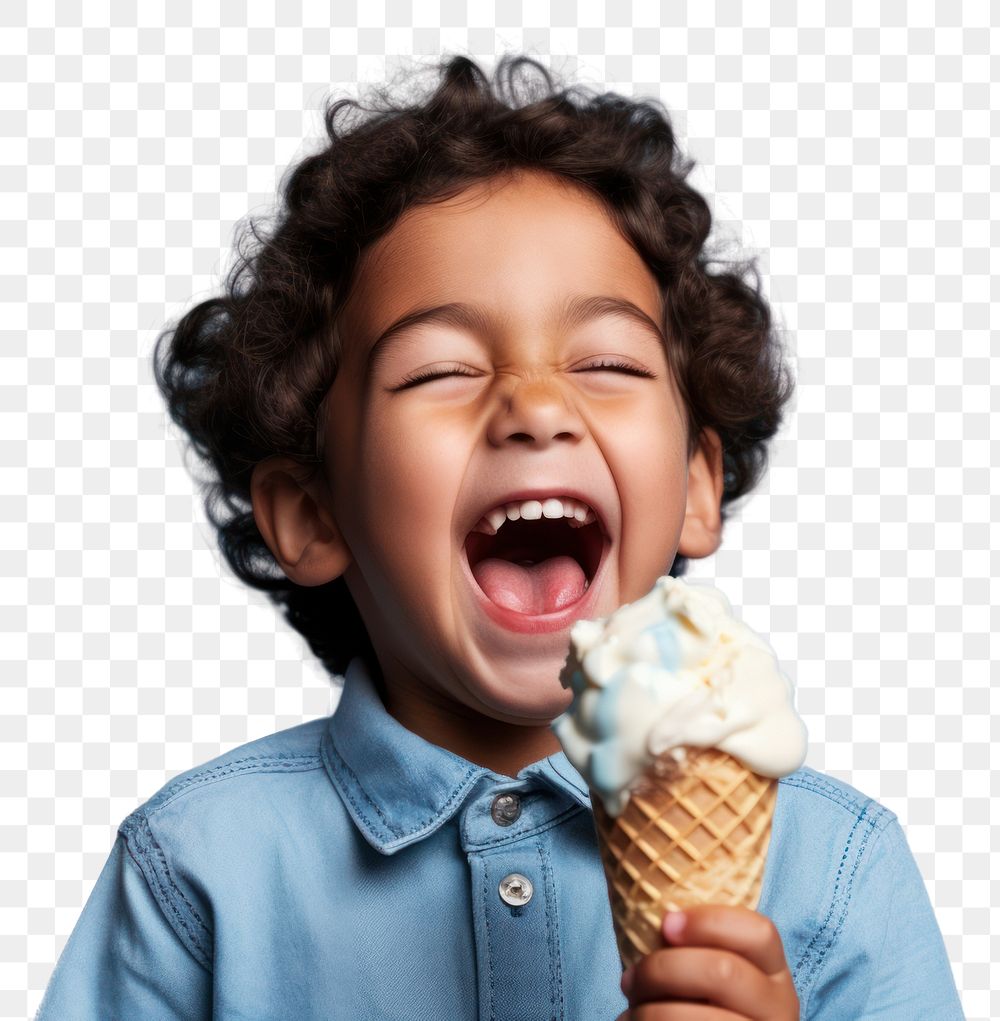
{"x":515,"y":916}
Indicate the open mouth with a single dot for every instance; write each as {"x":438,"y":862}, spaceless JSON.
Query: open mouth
{"x":536,"y":566}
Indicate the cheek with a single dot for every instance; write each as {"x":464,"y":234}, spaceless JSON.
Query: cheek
{"x":644,"y":445}
{"x":653,"y":488}
{"x":649,"y":465}
{"x":410,"y":474}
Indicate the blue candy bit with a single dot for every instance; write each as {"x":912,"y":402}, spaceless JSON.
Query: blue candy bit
{"x":606,"y":716}
{"x":607,"y":771}
{"x":667,"y":643}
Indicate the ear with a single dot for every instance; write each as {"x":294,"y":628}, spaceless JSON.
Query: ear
{"x":294,"y":516}
{"x":702,"y":530}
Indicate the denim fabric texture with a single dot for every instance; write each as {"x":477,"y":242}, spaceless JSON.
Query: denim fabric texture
{"x":347,"y":868}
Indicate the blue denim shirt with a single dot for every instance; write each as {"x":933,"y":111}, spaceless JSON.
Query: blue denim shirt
{"x":347,"y":868}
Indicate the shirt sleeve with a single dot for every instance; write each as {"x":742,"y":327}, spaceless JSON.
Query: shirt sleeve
{"x":891,"y":964}
{"x":912,"y":977}
{"x":123,"y":958}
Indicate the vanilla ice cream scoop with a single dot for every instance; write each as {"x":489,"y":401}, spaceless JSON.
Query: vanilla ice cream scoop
{"x":673,"y":669}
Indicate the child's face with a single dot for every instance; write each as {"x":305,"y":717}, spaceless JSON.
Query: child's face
{"x":414,"y":468}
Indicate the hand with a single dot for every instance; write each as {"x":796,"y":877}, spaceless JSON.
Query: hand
{"x":720,"y":964}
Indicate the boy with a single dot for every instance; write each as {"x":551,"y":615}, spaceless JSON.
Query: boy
{"x":476,"y":385}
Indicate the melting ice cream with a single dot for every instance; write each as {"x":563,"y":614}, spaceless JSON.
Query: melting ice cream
{"x":674,"y":669}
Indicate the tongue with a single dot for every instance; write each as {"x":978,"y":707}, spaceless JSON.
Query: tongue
{"x":531,"y":588}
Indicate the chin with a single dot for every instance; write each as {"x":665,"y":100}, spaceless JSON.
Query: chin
{"x":527,"y":700}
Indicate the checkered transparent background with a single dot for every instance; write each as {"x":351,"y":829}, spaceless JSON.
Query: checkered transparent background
{"x":848,"y":144}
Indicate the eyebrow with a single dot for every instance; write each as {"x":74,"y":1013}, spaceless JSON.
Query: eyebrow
{"x":576,"y":311}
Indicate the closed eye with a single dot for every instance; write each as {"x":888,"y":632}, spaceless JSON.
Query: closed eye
{"x":416,"y":378}
{"x":619,"y":366}
{"x":605,"y":365}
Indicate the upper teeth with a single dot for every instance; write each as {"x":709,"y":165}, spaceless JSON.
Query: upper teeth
{"x":554,"y":507}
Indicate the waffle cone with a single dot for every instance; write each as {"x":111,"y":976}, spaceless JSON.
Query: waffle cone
{"x":691,"y":833}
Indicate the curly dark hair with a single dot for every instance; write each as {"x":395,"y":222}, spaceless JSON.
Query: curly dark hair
{"x":244,"y":374}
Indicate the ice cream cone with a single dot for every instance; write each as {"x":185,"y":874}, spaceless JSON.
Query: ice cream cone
{"x":681,"y":724}
{"x":693,"y":832}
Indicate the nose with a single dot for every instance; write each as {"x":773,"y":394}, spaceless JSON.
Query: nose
{"x":536,"y":413}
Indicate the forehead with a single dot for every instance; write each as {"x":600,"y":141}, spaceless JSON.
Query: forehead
{"x":532,"y":237}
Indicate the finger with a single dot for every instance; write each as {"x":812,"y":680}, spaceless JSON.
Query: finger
{"x":680,"y":1012}
{"x":718,"y":977}
{"x":744,"y":932}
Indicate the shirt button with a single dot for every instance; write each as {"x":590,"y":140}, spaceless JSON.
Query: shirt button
{"x":506,"y":809}
{"x":515,"y":889}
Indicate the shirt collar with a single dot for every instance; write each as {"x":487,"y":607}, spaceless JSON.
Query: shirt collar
{"x":398,"y":787}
